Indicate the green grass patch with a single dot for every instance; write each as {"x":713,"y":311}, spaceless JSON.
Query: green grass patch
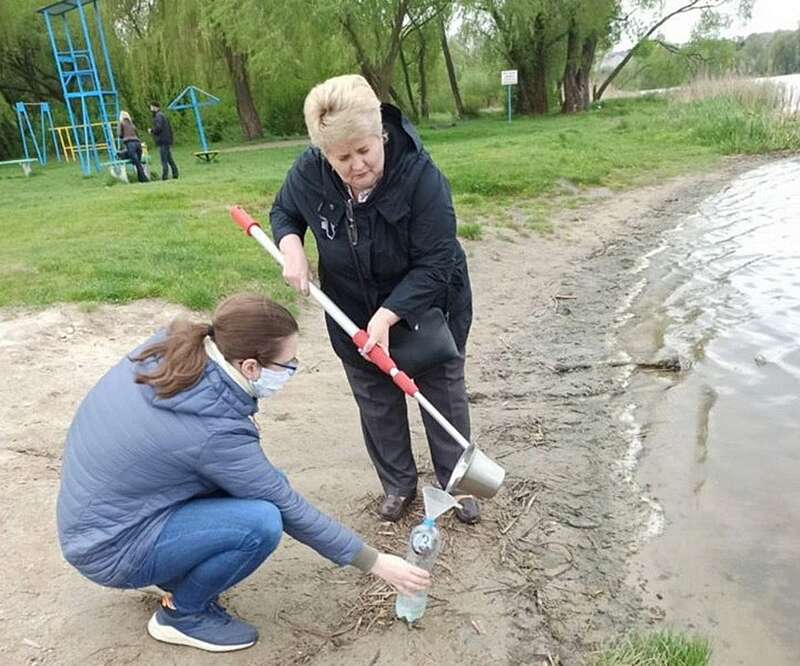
{"x":94,"y":240}
{"x":665,"y":648}
{"x":470,"y":230}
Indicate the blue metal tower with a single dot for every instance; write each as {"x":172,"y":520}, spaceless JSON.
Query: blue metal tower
{"x":90,"y":93}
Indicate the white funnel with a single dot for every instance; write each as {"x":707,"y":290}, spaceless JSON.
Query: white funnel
{"x":437,"y":502}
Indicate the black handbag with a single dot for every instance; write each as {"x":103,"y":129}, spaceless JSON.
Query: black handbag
{"x":416,"y":349}
{"x":429,"y":343}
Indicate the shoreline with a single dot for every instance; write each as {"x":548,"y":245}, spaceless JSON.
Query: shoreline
{"x":545,"y":574}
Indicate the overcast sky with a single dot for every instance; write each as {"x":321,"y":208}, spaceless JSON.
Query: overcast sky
{"x":768,"y":15}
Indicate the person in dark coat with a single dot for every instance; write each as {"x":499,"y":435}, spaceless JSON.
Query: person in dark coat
{"x":164,"y":481}
{"x":126,"y":131}
{"x":367,"y":188}
{"x":162,"y":135}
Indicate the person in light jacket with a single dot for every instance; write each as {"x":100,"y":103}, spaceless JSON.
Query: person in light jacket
{"x":165,"y":483}
{"x":367,"y":188}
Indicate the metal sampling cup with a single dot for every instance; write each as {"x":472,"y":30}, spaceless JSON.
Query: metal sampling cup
{"x":477,"y":474}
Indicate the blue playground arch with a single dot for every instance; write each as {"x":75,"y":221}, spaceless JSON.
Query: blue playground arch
{"x":193,"y":98}
{"x":27,"y":130}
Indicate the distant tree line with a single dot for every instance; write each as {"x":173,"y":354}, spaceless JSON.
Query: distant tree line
{"x":658,"y":63}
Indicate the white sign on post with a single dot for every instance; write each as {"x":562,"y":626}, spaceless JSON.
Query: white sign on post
{"x":508,"y":77}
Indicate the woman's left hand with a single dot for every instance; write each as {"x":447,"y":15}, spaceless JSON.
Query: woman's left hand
{"x":378,"y":329}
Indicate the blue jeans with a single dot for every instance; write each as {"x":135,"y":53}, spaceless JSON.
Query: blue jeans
{"x":209,"y":545}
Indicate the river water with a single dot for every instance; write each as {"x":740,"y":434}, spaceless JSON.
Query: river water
{"x":719,"y":443}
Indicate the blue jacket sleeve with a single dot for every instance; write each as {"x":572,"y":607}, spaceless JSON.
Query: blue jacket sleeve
{"x":234,"y":462}
{"x":432,"y":247}
{"x":285,"y":217}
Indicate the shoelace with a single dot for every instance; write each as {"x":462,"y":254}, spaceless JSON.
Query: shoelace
{"x":219,"y":611}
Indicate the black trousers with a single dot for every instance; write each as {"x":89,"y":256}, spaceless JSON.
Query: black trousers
{"x":384,"y":422}
{"x":167,"y":162}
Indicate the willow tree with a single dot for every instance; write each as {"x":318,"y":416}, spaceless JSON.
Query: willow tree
{"x":527,"y":32}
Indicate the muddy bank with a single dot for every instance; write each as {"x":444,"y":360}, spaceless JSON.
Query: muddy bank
{"x":541,"y":580}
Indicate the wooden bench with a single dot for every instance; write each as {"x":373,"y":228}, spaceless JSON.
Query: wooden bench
{"x":26,"y":165}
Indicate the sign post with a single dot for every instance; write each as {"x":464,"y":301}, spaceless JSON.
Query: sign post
{"x":508,"y":77}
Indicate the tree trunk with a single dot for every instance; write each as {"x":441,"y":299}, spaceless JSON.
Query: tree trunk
{"x":451,"y":70}
{"x":424,"y":108}
{"x":532,"y":66}
{"x":572,"y":93}
{"x":585,"y":70}
{"x":407,"y":80}
{"x":245,"y":107}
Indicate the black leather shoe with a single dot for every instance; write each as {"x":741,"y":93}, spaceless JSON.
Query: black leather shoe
{"x":394,"y":506}
{"x":470,"y":512}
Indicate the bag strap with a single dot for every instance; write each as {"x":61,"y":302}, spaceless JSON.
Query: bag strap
{"x":352,"y":241}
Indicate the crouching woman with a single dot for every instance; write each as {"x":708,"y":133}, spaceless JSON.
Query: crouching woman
{"x":164,"y":481}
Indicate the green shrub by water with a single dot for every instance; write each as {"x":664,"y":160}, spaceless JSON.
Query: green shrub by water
{"x":660,"y":649}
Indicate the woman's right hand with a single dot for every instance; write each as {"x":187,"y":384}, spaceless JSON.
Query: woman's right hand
{"x":296,"y":271}
{"x":404,"y":577}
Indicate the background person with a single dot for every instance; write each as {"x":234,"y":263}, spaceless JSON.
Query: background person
{"x":162,"y":135}
{"x":164,"y":481}
{"x":367,"y":188}
{"x":126,"y":131}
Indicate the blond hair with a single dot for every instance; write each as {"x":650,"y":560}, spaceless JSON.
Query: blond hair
{"x":124,"y":115}
{"x":340,"y":109}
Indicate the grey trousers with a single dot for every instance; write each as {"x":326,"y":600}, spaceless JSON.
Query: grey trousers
{"x":384,"y":422}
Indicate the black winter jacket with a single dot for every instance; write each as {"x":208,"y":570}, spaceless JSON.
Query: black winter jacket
{"x":409,"y":254}
{"x":162,"y":130}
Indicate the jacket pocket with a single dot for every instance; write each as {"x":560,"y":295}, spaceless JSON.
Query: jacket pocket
{"x":391,"y":229}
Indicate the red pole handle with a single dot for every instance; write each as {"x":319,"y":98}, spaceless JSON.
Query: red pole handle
{"x":386,"y":364}
{"x":243,"y":219}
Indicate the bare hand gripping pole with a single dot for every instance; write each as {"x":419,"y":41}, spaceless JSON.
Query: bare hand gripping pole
{"x":472,"y":457}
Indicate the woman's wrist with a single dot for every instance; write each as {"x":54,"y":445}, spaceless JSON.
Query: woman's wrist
{"x":365,"y":559}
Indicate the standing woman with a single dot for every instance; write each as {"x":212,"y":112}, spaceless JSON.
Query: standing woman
{"x":164,"y":481}
{"x":133,"y":147}
{"x":383,"y":220}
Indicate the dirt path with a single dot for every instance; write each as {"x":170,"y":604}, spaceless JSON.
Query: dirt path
{"x":543,"y":578}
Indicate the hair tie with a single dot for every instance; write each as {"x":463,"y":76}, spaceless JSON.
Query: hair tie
{"x":210,"y":331}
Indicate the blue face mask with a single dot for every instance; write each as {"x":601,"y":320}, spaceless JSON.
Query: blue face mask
{"x":270,"y":382}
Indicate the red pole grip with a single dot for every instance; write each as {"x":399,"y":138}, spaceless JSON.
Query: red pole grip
{"x":386,"y":364}
{"x":243,"y":219}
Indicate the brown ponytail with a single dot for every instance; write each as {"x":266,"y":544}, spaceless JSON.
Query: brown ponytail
{"x":244,"y":326}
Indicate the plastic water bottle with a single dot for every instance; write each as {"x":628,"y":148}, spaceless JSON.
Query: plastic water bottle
{"x":423,"y":547}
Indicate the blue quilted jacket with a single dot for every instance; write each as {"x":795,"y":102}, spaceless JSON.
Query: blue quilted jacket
{"x":132,"y":458}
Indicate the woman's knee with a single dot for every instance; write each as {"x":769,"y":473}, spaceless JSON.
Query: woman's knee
{"x":267,"y":525}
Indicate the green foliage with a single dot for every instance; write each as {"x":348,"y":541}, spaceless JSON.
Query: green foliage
{"x":664,"y":648}
{"x":661,"y":65}
{"x":69,"y":238}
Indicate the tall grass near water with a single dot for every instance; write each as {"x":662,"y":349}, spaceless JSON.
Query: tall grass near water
{"x":739,"y":116}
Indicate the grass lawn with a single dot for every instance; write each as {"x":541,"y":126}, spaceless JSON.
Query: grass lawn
{"x":70,"y":238}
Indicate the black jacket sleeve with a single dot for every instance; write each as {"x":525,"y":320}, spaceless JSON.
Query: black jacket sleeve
{"x":432,"y":248}
{"x":285,"y":217}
